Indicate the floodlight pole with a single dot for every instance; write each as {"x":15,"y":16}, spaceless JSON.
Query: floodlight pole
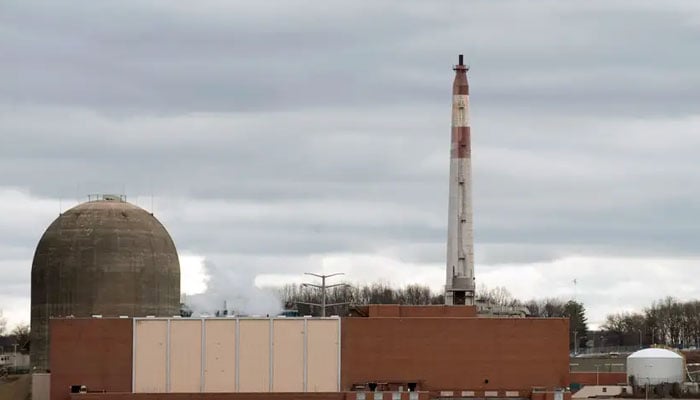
{"x":323,"y":288}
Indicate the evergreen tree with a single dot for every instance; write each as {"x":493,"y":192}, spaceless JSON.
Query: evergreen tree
{"x":577,"y":323}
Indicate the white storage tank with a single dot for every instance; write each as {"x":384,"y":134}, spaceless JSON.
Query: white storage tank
{"x":654,"y":366}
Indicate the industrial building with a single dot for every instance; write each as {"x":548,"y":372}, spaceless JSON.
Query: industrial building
{"x":439,"y":351}
{"x":134,"y":349}
{"x":103,"y":257}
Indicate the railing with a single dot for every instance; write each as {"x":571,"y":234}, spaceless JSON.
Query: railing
{"x":608,"y":350}
{"x":112,"y":197}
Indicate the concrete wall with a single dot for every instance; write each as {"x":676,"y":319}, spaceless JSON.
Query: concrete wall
{"x":41,"y":386}
{"x":91,"y":352}
{"x":236,"y":355}
{"x":456,"y":354}
{"x":600,"y":378}
{"x":600,"y":364}
{"x":109,"y":258}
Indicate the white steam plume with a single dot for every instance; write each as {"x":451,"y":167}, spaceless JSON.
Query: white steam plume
{"x":237,"y":290}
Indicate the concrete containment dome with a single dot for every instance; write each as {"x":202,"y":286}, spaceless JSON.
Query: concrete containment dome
{"x":654,"y":366}
{"x":104,"y":257}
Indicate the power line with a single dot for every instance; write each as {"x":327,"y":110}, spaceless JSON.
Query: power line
{"x":323,"y":288}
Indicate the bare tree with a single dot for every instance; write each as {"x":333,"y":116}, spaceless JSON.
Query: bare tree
{"x":498,"y":295}
{"x":547,"y":307}
{"x":667,"y":321}
{"x":21,"y":334}
{"x":415,"y":294}
{"x":3,"y":324}
{"x":294,"y":296}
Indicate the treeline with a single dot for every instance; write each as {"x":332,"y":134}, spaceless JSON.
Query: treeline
{"x":415,"y":294}
{"x":667,"y":322}
{"x":19,"y":335}
{"x":301,"y":297}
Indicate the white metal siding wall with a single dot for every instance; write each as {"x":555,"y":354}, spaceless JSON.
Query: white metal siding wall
{"x":288,"y":355}
{"x":236,"y":355}
{"x":254,"y":356}
{"x":323,"y":356}
{"x":220,"y":358}
{"x":185,"y":356}
{"x":150,"y":356}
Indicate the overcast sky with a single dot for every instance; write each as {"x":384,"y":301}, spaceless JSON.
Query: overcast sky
{"x":291,"y":136}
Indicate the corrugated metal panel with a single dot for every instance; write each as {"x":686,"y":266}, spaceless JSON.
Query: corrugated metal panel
{"x":220,"y":364}
{"x":236,"y":355}
{"x":185,"y":356}
{"x":150,"y":356}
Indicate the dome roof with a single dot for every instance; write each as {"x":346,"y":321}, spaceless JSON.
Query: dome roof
{"x":105,"y":257}
{"x":655,"y":353}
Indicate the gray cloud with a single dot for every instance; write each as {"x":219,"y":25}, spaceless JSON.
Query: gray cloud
{"x":273,"y":133}
{"x":144,"y":57}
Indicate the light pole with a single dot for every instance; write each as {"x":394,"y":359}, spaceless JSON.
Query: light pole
{"x":575,"y":343}
{"x":640,"y":339}
{"x":15,"y":357}
{"x":646,"y":389}
{"x":323,"y":288}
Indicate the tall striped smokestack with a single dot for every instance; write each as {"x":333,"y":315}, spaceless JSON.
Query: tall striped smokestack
{"x":459,"y":288}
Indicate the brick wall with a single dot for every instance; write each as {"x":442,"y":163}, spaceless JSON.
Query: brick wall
{"x":439,"y":354}
{"x":234,"y":396}
{"x":91,"y":352}
{"x":396,"y":310}
{"x":478,"y":354}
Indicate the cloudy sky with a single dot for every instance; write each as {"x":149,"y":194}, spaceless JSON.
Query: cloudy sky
{"x":283,"y":137}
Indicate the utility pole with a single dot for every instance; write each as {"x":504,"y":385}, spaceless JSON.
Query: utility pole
{"x":323,"y":288}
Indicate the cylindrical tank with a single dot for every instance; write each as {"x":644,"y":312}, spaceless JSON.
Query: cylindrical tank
{"x":654,"y":366}
{"x":104,"y":257}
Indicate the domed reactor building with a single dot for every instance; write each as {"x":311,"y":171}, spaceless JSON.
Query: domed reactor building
{"x":104,"y":257}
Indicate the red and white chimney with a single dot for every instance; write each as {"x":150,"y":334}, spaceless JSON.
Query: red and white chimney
{"x":460,"y":285}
